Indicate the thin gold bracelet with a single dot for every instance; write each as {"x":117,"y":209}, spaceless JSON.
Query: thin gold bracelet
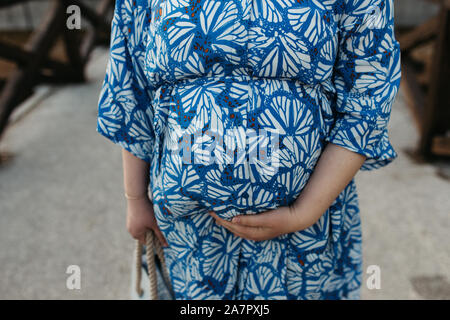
{"x":135,"y":197}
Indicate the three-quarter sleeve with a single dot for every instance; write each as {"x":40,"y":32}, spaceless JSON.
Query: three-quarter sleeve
{"x":366,"y":78}
{"x":124,"y":106}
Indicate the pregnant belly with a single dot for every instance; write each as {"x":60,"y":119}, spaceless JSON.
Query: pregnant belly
{"x":237,"y":146}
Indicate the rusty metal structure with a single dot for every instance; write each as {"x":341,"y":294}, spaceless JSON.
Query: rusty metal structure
{"x":33,"y":62}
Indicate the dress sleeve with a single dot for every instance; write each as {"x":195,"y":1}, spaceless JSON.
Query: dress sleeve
{"x":366,"y":78}
{"x":124,"y":107}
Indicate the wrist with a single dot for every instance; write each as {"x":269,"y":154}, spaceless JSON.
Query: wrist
{"x":136,"y":196}
{"x":139,"y":203}
{"x":304,"y":214}
{"x":297,"y":221}
{"x":137,"y":199}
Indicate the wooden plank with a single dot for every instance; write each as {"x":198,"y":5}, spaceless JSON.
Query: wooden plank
{"x":20,"y":83}
{"x":8,"y":3}
{"x":414,"y":94}
{"x":435,"y":119}
{"x":441,"y":146}
{"x":72,"y":43}
{"x":34,"y":60}
{"x":22,"y":57}
{"x":424,"y":54}
{"x":419,"y":35}
{"x":93,"y":37}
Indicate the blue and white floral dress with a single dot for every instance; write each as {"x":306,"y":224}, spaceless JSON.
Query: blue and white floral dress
{"x":189,"y":83}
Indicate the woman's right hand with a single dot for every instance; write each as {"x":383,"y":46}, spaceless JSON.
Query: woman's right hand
{"x":141,"y":218}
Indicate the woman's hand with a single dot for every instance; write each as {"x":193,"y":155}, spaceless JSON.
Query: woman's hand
{"x":263,"y":226}
{"x":140,"y":215}
{"x":141,"y":218}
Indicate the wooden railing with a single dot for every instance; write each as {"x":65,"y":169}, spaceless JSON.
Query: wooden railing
{"x":34,"y":64}
{"x":426,"y":81}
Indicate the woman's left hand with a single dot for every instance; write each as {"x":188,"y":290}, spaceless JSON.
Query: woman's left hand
{"x":263,"y":226}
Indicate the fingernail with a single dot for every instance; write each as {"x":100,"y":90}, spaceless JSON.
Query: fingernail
{"x":235,"y":220}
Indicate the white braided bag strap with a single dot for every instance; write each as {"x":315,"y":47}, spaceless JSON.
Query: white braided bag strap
{"x":153,"y":246}
{"x":138,"y":266}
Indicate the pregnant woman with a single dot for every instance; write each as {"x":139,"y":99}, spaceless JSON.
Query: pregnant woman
{"x":242,"y":124}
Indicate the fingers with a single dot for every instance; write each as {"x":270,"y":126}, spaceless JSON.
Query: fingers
{"x":141,"y":239}
{"x":251,"y":233}
{"x":160,"y":237}
{"x":154,"y":226}
{"x":136,"y":233}
{"x":141,"y":235}
{"x":238,"y":234}
{"x":263,"y":219}
{"x":142,"y":219}
{"x":255,"y":220}
{"x":215,"y":216}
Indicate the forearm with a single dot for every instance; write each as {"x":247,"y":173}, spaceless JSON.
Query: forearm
{"x":333,"y":172}
{"x":135,"y":174}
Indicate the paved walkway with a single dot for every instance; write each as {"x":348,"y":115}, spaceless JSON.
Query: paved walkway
{"x":61,"y":204}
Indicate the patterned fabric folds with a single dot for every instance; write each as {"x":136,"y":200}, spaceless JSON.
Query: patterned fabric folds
{"x":367,"y":78}
{"x":124,"y":109}
{"x":194,"y":87}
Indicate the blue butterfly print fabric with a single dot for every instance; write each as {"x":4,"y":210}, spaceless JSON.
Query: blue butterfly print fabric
{"x":231,"y":103}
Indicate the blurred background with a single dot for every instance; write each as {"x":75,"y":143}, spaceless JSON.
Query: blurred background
{"x":61,"y":194}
